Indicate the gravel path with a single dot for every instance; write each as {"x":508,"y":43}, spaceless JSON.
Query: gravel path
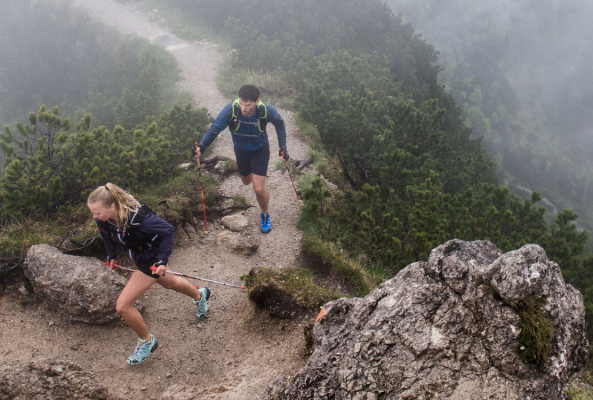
{"x":237,"y":349}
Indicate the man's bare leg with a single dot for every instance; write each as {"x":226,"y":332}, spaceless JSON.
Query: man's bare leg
{"x":259,"y":187}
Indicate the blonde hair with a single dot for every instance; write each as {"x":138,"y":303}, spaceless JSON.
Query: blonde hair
{"x":112,"y":194}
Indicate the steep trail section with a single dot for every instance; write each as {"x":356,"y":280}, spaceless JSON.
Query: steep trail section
{"x":237,"y":350}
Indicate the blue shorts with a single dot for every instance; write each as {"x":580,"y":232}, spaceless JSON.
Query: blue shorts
{"x":253,"y":162}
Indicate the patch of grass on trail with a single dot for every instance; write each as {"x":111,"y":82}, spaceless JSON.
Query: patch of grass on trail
{"x":177,"y":201}
{"x":579,"y":391}
{"x":284,"y":291}
{"x":327,"y":256}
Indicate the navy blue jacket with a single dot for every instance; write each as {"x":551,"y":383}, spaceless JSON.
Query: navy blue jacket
{"x":150,"y":227}
{"x":248,"y":137}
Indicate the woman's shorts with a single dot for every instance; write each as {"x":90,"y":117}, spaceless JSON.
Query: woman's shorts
{"x":253,"y":162}
{"x":144,"y":267}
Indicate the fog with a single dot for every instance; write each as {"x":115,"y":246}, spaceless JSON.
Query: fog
{"x":522,"y":71}
{"x":544,"y":48}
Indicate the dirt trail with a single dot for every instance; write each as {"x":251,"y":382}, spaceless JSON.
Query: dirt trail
{"x":237,"y":349}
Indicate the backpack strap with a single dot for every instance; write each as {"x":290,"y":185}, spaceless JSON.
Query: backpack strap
{"x":234,"y":124}
{"x":262,"y":117}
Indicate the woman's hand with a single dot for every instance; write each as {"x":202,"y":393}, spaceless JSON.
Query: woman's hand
{"x":112,"y":264}
{"x":160,"y":270}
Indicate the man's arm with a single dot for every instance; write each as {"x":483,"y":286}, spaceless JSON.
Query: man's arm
{"x":276,"y":120}
{"x":220,"y":123}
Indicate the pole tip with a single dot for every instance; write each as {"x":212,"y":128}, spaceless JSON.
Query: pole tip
{"x":206,"y":232}
{"x":242,"y":286}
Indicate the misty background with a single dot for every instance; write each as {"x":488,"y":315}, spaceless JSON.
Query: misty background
{"x":523,"y":74}
{"x":416,"y":162}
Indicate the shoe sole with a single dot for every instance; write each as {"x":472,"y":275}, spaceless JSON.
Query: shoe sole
{"x":156,"y":346}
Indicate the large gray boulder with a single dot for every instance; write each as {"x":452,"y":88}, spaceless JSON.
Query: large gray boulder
{"x":49,"y":379}
{"x":82,"y":287}
{"x":444,"y":329}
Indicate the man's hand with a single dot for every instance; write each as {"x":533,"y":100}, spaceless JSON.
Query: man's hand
{"x":196,"y":152}
{"x":283,"y":153}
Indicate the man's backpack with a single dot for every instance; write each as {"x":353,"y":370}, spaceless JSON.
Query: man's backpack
{"x":262,"y":117}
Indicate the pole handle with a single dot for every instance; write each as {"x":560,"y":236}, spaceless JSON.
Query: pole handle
{"x":197,"y":156}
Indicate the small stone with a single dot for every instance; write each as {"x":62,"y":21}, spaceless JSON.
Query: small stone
{"x":23,"y":290}
{"x":144,"y":388}
{"x":168,"y":375}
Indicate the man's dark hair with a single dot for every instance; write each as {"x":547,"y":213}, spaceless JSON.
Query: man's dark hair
{"x":249,"y":92}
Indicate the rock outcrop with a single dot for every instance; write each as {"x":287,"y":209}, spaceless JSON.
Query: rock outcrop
{"x":236,"y":243}
{"x":49,"y":379}
{"x":80,"y":286}
{"x":235,"y":222}
{"x":446,"y":329}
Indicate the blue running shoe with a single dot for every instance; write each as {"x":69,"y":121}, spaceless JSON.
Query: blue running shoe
{"x":143,"y":349}
{"x":266,"y":225}
{"x":202,"y":303}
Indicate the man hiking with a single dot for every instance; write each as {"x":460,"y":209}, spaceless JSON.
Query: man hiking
{"x":246,"y":118}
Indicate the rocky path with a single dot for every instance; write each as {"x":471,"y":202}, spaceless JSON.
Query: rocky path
{"x":237,"y":350}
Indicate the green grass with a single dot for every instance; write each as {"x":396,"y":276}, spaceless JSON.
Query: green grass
{"x":362,"y":279}
{"x":298,"y":283}
{"x":581,"y":386}
{"x":17,"y":236}
{"x":279,"y":165}
{"x":536,"y":339}
{"x":578,"y":392}
{"x":239,"y":200}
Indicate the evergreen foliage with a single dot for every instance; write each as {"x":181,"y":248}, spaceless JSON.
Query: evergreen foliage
{"x":51,"y":168}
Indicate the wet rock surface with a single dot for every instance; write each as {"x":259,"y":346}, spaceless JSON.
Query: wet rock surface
{"x":444,"y":329}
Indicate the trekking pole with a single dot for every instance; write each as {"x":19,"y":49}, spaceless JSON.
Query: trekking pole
{"x":292,"y":180}
{"x":153,"y":268}
{"x":201,"y":189}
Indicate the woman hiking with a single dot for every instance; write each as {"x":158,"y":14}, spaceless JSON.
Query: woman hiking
{"x":148,"y":241}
